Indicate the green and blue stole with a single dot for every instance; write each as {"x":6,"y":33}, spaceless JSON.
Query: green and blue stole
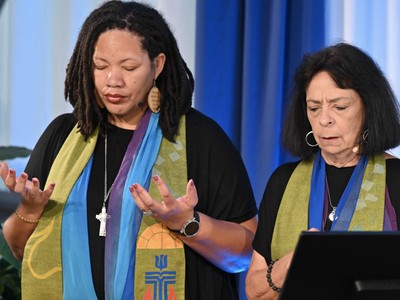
{"x":361,"y":207}
{"x":56,"y":262}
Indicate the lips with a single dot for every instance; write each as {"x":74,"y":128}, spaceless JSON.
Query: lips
{"x":329,"y":140}
{"x":114,"y":97}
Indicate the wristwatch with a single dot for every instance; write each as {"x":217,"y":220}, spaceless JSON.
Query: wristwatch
{"x":190,"y":227}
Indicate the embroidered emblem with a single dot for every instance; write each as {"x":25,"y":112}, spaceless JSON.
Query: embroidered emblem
{"x":161,"y":281}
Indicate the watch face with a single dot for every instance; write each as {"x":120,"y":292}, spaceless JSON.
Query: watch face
{"x":192,"y":228}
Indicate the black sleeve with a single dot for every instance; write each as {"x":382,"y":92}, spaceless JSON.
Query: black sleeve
{"x":392,"y":181}
{"x":269,"y":208}
{"x":218,"y":171}
{"x":47,"y":147}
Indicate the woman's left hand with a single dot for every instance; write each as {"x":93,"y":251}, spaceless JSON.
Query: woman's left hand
{"x":170,"y":211}
{"x":225,"y":244}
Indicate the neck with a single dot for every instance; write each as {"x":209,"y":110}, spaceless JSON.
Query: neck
{"x":349,"y":160}
{"x":127,"y":121}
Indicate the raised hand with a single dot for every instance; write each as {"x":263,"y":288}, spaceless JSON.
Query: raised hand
{"x":171,"y":211}
{"x":33,"y":198}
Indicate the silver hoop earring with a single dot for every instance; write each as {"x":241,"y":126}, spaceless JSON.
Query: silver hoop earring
{"x":365,"y":135}
{"x":364,"y":140}
{"x":311,"y":145}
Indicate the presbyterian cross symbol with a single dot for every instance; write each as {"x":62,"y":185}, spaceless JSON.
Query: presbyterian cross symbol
{"x":102,"y":217}
{"x":163,"y":282}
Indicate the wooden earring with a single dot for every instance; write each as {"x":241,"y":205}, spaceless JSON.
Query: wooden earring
{"x":154,"y":99}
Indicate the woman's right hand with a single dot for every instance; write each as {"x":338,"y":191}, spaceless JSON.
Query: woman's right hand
{"x":33,"y":198}
{"x":19,"y":226}
{"x":257,"y":287}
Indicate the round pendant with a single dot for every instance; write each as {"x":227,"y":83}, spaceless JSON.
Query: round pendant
{"x":332,"y":214}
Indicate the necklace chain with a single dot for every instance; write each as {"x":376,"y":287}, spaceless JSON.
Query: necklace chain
{"x":103,"y":216}
{"x":106,"y":193}
{"x":332,"y":216}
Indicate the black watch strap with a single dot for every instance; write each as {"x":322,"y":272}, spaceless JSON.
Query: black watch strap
{"x":190,"y":227}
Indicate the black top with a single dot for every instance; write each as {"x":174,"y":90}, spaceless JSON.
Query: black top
{"x":337,"y":182}
{"x":222,"y":183}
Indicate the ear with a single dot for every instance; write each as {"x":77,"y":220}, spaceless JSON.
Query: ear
{"x":159,"y":62}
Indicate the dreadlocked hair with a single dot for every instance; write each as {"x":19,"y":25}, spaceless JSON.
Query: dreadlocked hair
{"x":175,"y":82}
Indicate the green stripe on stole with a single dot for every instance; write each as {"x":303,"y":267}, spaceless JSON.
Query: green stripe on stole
{"x":292,"y":216}
{"x":160,"y":255}
{"x":41,"y":266}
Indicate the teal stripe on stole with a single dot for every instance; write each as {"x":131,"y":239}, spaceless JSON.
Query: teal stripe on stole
{"x":76,"y":267}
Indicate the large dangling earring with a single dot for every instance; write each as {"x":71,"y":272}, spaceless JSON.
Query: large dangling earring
{"x":154,"y":99}
{"x":309,"y":144}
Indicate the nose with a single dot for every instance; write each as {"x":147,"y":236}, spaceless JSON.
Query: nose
{"x":114,"y":78}
{"x":325,"y":117}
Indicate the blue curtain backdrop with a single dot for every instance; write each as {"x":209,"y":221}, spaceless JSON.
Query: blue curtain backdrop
{"x":246,"y":53}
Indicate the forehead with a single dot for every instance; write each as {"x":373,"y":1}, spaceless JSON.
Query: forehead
{"x":323,"y":88}
{"x":117,"y":40}
{"x":322,"y":85}
{"x":321,"y":80}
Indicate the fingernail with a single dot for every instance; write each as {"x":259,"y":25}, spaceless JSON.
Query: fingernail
{"x":156,"y":177}
{"x":131,"y":188}
{"x":191,"y":182}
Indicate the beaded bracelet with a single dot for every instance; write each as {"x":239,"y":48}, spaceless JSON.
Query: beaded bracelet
{"x":269,"y":279}
{"x":26,"y":220}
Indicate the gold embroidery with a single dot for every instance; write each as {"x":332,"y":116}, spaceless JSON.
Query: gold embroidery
{"x":42,"y":236}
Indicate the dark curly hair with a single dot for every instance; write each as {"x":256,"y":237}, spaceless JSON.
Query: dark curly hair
{"x":175,"y":82}
{"x":350,"y":68}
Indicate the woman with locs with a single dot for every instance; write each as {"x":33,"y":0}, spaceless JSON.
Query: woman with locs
{"x":135,"y":195}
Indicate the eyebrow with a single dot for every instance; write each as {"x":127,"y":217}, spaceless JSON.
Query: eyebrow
{"x":122,"y":61}
{"x":329,"y":100}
